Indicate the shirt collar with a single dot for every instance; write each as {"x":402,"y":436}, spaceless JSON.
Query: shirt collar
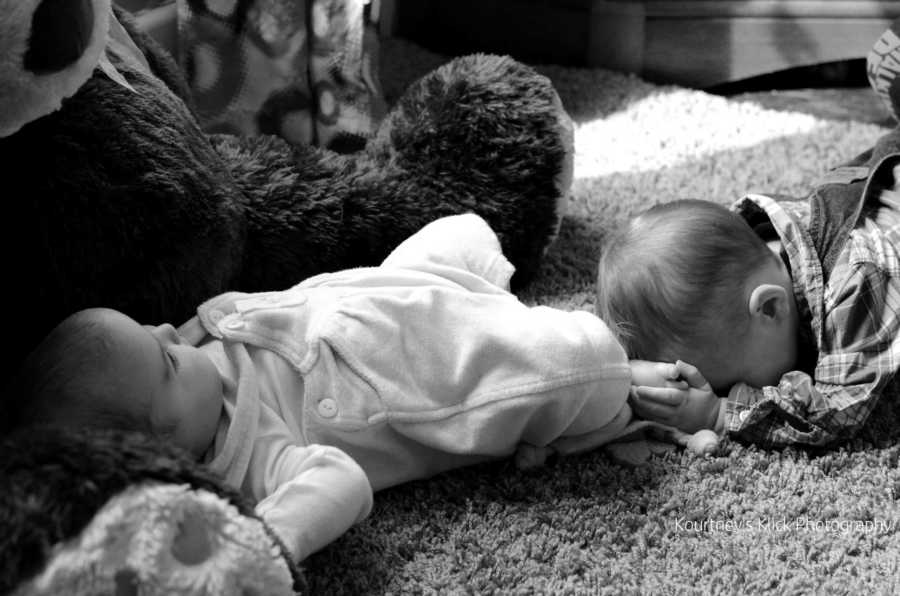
{"x":806,"y":268}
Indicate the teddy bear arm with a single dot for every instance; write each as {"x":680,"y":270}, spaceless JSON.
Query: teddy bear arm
{"x":486,"y":134}
{"x":310,"y":210}
{"x":483,"y":134}
{"x":88,"y":511}
{"x":117,"y":200}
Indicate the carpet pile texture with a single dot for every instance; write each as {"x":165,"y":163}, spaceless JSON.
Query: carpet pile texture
{"x":745,"y":520}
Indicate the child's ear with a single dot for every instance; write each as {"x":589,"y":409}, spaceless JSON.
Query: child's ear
{"x":768,"y":301}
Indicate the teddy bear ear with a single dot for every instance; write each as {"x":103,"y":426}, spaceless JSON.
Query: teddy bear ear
{"x":60,"y":33}
{"x":48,"y":50}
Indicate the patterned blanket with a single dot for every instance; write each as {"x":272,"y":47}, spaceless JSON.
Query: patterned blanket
{"x":305,"y":70}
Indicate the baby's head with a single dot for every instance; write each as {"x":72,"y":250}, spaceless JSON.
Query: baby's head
{"x":99,"y":368}
{"x":691,"y":280}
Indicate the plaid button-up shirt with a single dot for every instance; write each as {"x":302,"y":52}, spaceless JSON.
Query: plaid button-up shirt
{"x":851,"y":320}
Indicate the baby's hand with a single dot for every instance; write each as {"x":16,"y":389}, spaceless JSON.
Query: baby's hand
{"x":656,"y":374}
{"x":688,"y":409}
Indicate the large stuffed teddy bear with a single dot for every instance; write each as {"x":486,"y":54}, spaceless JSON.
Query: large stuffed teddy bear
{"x":114,"y":197}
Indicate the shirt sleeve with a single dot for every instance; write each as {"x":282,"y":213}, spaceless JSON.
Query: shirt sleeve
{"x":321,"y":492}
{"x":526,"y":375}
{"x":460,"y":241}
{"x":855,"y":362}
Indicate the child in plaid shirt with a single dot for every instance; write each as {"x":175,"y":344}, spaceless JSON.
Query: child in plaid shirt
{"x":788,"y":311}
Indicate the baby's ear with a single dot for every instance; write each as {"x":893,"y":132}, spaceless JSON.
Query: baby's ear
{"x":768,"y":301}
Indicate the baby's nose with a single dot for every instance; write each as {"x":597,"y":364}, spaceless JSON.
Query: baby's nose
{"x":168,"y":334}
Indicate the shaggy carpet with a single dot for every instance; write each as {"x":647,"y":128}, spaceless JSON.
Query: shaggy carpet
{"x":745,"y":520}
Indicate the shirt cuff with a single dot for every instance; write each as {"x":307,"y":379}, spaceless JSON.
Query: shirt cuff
{"x":737,"y":406}
{"x":721,"y":425}
{"x":499,"y":272}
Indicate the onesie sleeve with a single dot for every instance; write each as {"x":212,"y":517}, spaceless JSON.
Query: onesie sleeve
{"x":320,"y":493}
{"x":460,"y":241}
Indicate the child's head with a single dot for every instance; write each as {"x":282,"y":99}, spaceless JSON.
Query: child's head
{"x":99,"y":368}
{"x":691,"y":280}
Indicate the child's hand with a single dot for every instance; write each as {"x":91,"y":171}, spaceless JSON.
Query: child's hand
{"x":688,"y":409}
{"x":656,"y":374}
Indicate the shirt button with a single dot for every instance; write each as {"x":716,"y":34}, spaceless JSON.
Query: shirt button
{"x":327,"y":408}
{"x":216,"y":315}
{"x":234,"y":324}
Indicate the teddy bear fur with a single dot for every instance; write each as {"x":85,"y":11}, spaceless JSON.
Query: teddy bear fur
{"x":118,"y":199}
{"x":52,"y":489}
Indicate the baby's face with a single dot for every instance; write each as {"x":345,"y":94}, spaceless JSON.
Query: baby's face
{"x":758,"y":364}
{"x":174,"y":383}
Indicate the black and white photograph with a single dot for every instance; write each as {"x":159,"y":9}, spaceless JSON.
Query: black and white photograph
{"x":501,"y":297}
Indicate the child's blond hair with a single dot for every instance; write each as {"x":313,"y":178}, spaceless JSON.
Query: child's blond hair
{"x":671,"y":283}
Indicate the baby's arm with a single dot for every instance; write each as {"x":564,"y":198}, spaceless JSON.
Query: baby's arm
{"x":460,"y":241}
{"x":802,"y":409}
{"x":319,"y":493}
